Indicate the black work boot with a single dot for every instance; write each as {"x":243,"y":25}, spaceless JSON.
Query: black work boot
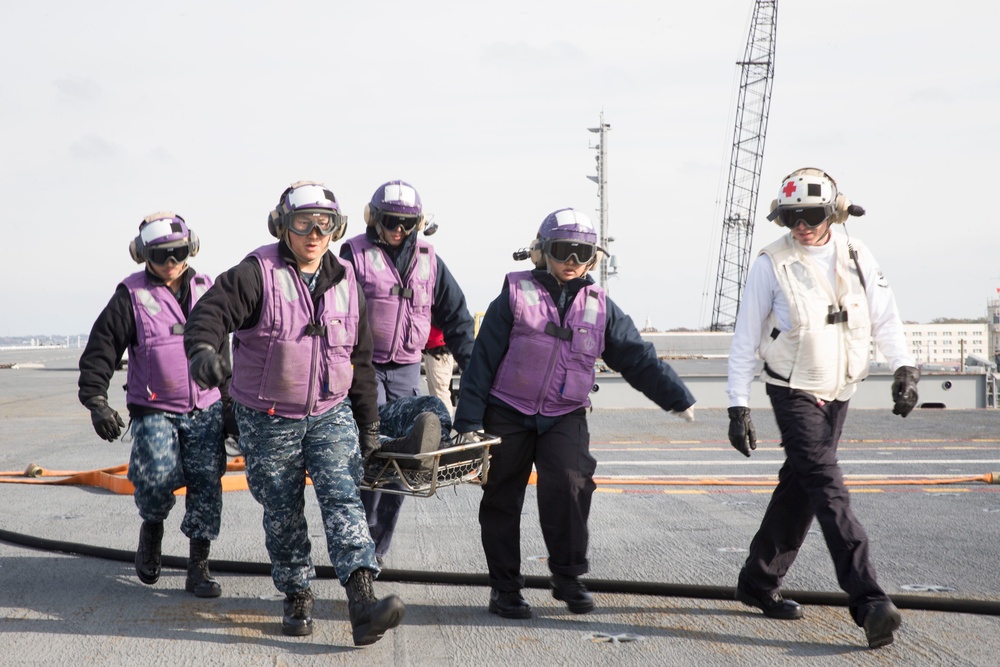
{"x":424,"y":437}
{"x":772,"y":604}
{"x":880,"y":622}
{"x":509,"y":604}
{"x":147,"y":555}
{"x":571,"y":591}
{"x":297,"y":620}
{"x":370,"y":617}
{"x":199,"y":581}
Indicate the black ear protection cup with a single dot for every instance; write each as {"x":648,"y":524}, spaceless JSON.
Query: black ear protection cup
{"x":273,"y":221}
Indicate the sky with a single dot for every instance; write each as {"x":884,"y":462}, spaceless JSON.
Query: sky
{"x":112,"y":110}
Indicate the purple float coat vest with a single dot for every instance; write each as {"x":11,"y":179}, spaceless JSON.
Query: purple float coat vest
{"x":549,"y":369}
{"x":157,"y":368}
{"x":296,"y":362}
{"x":399,"y":314}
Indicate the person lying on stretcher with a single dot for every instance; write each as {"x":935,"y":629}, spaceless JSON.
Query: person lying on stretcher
{"x":410,"y":425}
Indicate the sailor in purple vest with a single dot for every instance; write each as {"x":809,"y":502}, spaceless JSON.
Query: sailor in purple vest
{"x":529,"y":380}
{"x":177,"y":427}
{"x":302,"y":382}
{"x":406,"y":285}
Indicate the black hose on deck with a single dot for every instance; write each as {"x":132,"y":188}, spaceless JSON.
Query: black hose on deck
{"x":919,"y":602}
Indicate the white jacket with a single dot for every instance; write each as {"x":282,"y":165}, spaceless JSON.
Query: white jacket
{"x":803,"y":293}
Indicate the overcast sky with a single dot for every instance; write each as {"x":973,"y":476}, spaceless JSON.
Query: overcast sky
{"x":111,"y":110}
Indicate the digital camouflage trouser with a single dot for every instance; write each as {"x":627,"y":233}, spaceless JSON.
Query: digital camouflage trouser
{"x":396,"y":417}
{"x":279,"y":452}
{"x":172,"y":450}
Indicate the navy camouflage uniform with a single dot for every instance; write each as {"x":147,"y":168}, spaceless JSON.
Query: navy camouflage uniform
{"x":396,"y":417}
{"x":280,"y":451}
{"x":175,"y":450}
{"x":169,"y":450}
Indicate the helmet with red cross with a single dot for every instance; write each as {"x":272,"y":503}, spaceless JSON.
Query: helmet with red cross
{"x":811,"y":196}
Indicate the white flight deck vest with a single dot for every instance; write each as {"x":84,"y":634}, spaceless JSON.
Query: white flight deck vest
{"x":826,"y":353}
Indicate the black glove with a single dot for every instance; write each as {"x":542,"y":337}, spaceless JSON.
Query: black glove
{"x":229,"y":425}
{"x":107,"y":422}
{"x":208,"y":368}
{"x":904,"y":390}
{"x":369,"y":440}
{"x":742,"y":435}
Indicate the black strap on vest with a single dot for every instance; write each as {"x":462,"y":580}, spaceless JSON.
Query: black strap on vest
{"x":314,"y":329}
{"x":559,"y":332}
{"x":854,"y":255}
{"x":775,"y":333}
{"x":767,"y":369}
{"x":404,"y":292}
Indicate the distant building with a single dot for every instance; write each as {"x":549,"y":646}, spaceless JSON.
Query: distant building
{"x":930,"y":344}
{"x":993,"y":318}
{"x":945,"y":344}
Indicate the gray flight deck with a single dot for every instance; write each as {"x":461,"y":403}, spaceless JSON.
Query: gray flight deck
{"x":675,"y":511}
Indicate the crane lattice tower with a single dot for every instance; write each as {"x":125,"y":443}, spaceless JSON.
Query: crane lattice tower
{"x":753,"y":106}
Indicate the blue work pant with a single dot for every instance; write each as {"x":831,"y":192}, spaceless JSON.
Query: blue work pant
{"x":811,"y":484}
{"x":561,"y":456}
{"x":279,"y":453}
{"x":172,"y":450}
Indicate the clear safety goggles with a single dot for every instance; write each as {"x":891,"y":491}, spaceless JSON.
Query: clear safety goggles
{"x":813,"y":216}
{"x":162,"y":255}
{"x":303,"y":223}
{"x":562,"y":250}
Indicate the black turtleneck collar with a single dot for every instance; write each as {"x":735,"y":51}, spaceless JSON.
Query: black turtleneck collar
{"x":330,"y":270}
{"x":555,"y":288}
{"x":183,"y":288}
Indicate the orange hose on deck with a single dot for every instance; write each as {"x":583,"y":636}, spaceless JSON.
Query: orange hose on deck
{"x":988,"y":478}
{"x":113,"y":479}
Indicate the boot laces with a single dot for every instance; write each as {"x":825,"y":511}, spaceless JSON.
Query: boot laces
{"x":299,"y":603}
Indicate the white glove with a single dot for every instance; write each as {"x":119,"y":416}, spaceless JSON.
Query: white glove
{"x":686,"y":415}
